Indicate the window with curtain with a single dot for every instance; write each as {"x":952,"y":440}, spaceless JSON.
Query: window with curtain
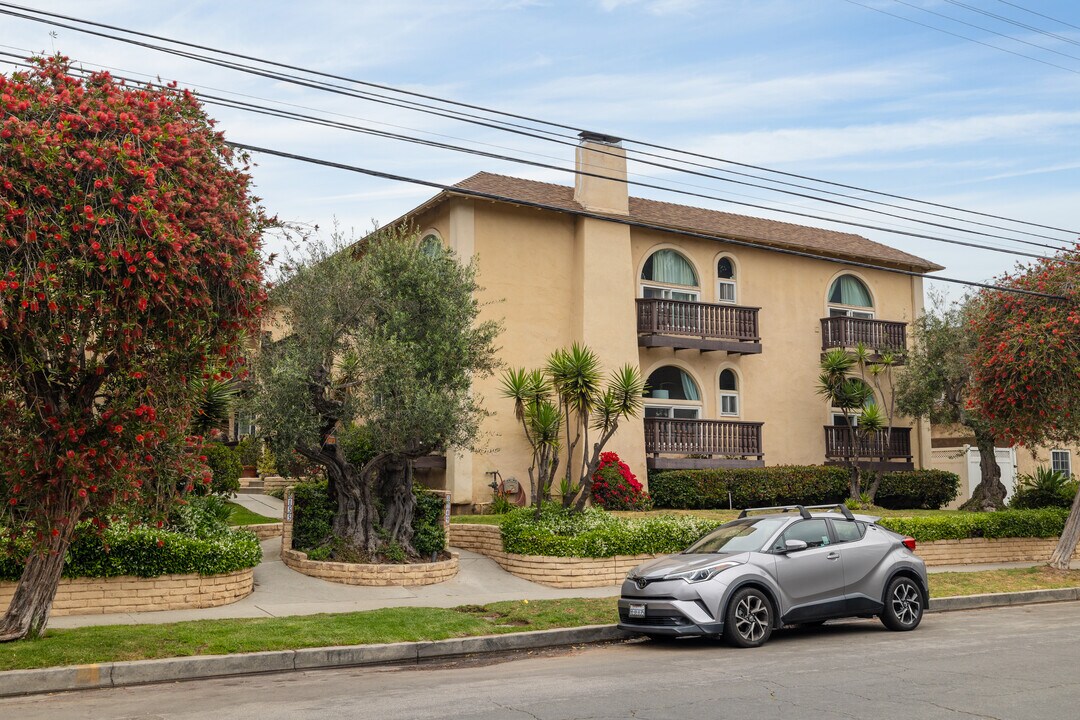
{"x":669,"y":267}
{"x":672,"y":383}
{"x":850,"y":290}
{"x":729,"y":393}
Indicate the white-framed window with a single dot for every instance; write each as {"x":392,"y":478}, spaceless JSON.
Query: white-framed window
{"x":672,"y":393}
{"x":1061,"y":461}
{"x":848,"y":295}
{"x":668,"y":275}
{"x":245,"y":424}
{"x":729,"y":393}
{"x":725,"y":280}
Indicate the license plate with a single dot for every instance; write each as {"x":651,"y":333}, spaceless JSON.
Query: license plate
{"x":637,"y":611}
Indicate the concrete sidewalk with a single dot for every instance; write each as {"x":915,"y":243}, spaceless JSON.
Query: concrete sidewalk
{"x":281,"y":591}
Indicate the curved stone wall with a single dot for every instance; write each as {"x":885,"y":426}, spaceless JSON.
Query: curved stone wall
{"x":375,"y":575}
{"x":99,"y":596}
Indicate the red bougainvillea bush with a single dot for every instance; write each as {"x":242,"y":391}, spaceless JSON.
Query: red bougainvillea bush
{"x":1027,"y":356}
{"x":615,"y":487}
{"x":129,"y":264}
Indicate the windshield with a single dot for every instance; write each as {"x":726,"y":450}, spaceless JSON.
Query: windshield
{"x":747,"y":535}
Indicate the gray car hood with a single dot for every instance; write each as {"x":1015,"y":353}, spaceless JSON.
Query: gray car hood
{"x":669,"y":564}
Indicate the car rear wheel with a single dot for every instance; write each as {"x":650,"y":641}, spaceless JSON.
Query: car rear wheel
{"x":749,"y":619}
{"x":904,"y":603}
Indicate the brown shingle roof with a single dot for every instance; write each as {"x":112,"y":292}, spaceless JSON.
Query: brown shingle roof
{"x":827,"y":243}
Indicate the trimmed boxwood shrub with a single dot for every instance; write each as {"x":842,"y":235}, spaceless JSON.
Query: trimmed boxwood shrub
{"x":147,"y":552}
{"x":749,"y":487}
{"x":916,"y":489}
{"x":595,"y":533}
{"x":429,"y":536}
{"x":1046,"y":523}
{"x":225,"y":468}
{"x":313,"y":515}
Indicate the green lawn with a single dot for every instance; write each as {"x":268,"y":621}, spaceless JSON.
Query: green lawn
{"x":214,"y":637}
{"x":240,"y":515}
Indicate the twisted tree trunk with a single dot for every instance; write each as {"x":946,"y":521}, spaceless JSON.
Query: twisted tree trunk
{"x":1070,"y":536}
{"x":990,"y":493}
{"x":399,"y":504}
{"x":28,"y":613}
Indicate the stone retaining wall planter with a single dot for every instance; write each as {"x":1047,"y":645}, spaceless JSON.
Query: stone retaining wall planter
{"x":600,"y":572}
{"x":408,"y":575}
{"x":264,"y":531}
{"x":98,"y":596}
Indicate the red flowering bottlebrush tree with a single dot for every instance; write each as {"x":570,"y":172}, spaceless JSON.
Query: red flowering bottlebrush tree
{"x":129,"y":264}
{"x":1027,"y":365}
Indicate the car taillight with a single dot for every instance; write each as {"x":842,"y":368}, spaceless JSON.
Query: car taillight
{"x":909,"y":543}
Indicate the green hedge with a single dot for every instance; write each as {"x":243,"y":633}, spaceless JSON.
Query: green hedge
{"x":595,"y":533}
{"x":791,"y":484}
{"x":749,"y":487}
{"x":148,"y":552}
{"x":225,"y":468}
{"x":916,"y":489}
{"x":1046,"y":523}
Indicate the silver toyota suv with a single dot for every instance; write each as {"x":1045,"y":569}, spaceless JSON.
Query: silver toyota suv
{"x":789,"y":566}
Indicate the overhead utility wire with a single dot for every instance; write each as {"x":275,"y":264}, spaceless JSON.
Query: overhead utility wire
{"x":1010,"y":21}
{"x":980,"y":27}
{"x":963,"y":37}
{"x":1028,"y":10}
{"x":548,"y":166}
{"x":351,"y":93}
{"x":461,"y":104}
{"x":623,"y":221}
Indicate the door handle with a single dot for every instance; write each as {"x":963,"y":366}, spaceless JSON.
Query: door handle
{"x":833,"y":556}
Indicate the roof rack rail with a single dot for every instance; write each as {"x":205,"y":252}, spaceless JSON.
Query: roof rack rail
{"x":804,"y":510}
{"x":782,"y":508}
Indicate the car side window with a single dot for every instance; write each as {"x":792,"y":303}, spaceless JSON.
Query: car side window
{"x":848,"y":531}
{"x":812,"y":532}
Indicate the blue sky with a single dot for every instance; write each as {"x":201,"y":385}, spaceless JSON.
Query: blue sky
{"x":819,"y":87}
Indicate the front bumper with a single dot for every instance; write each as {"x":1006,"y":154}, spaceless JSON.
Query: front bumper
{"x":667,"y":616}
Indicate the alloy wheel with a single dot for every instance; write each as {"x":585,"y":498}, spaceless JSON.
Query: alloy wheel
{"x":751,"y":618}
{"x":906,"y":603}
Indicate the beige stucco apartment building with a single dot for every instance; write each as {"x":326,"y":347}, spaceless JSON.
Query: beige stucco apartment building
{"x":728,"y":328}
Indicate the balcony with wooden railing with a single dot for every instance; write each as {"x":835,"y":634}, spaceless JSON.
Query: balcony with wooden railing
{"x":878,"y":335}
{"x":880,"y":448}
{"x":707,"y":327}
{"x":702,"y":443}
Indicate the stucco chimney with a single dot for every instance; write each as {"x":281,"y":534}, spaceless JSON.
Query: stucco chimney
{"x":601,"y":155}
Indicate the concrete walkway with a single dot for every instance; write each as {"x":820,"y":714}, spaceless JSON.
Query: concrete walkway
{"x":281,"y":591}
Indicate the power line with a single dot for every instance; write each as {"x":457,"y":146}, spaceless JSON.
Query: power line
{"x":503,"y":125}
{"x":980,"y":27}
{"x":622,"y":221}
{"x":1028,"y":10}
{"x":547,"y":166}
{"x":1010,"y":21}
{"x":962,"y":37}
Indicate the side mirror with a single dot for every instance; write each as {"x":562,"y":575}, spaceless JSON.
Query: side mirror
{"x":794,"y":545}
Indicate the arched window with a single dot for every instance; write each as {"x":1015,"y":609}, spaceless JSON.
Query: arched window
{"x":725,"y":280}
{"x":729,"y":393}
{"x":667,"y":384}
{"x":431,"y":245}
{"x":852,"y":295}
{"x":668,"y":275}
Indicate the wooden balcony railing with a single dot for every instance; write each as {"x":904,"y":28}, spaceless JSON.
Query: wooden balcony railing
{"x":847,"y":332}
{"x":703,"y":437}
{"x":838,"y":444}
{"x":705,"y":326}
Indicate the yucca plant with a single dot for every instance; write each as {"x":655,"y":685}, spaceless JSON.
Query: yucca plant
{"x":216,"y":401}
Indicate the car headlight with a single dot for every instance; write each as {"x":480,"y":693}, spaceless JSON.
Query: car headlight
{"x":701,"y":574}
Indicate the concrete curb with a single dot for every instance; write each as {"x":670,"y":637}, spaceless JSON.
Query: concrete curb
{"x":141,"y":672}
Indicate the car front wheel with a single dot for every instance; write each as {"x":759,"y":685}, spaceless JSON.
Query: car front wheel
{"x":904,"y":603}
{"x":749,"y":619}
